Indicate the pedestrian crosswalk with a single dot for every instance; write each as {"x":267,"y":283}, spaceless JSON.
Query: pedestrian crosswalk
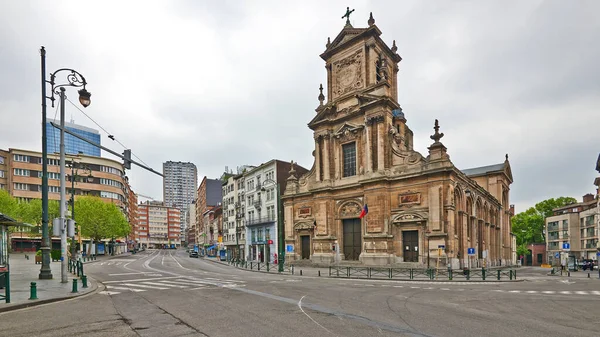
{"x":550,"y":292}
{"x":420,"y":286}
{"x":161,"y":284}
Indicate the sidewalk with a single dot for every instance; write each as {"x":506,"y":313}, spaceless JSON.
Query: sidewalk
{"x":24,"y":271}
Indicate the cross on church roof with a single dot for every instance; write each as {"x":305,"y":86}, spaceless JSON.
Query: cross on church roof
{"x":347,"y":16}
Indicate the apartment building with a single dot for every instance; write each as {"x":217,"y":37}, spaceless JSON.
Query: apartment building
{"x":262,"y":210}
{"x":209,"y":195}
{"x":179,"y":187}
{"x":575,"y":225}
{"x":85,"y":176}
{"x":234,"y":209}
{"x":4,"y":155}
{"x":159,"y":225}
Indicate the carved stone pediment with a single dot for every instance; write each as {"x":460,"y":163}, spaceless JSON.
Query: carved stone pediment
{"x":304,"y":224}
{"x":348,"y":74}
{"x":348,"y":131}
{"x":349,"y":209}
{"x":409,"y":216}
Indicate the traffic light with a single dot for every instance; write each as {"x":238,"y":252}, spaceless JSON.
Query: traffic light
{"x":127,"y":159}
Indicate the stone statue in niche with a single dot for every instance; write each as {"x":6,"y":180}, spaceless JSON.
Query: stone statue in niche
{"x":381,"y":69}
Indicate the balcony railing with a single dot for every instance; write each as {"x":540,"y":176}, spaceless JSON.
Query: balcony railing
{"x":256,"y":221}
{"x":257,"y":204}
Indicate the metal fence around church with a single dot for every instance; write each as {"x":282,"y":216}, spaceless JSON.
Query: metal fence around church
{"x":381,"y":273}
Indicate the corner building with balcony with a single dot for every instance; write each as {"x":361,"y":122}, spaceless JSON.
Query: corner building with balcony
{"x":364,"y":156}
{"x":261,"y":182}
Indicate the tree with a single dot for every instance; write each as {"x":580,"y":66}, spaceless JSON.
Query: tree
{"x":8,"y":204}
{"x":31,"y":212}
{"x":100,"y":220}
{"x":528,"y":226}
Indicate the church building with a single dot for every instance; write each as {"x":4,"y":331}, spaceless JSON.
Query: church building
{"x":369,"y":196}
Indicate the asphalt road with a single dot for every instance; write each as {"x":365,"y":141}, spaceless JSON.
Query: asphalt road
{"x":166,"y":293}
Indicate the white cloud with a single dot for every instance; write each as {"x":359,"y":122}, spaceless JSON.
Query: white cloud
{"x":229,"y":83}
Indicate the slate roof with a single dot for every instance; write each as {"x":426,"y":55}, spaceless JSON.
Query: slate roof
{"x":476,"y":171}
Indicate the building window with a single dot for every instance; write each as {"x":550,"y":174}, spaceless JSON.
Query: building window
{"x":53,"y":189}
{"x":21,"y":158}
{"x":1,"y":160}
{"x":2,"y":175}
{"x":349,"y":155}
{"x":21,"y":172}
{"x":20,"y":186}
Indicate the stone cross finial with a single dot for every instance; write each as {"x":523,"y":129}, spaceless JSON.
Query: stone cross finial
{"x":371,"y":20}
{"x":321,"y":96}
{"x":347,"y":16}
{"x":437,"y":135}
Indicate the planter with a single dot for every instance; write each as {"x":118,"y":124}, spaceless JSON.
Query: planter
{"x":38,"y":259}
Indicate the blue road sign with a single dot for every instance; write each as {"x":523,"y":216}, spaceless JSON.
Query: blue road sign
{"x":289,"y":248}
{"x":566,"y":246}
{"x":441,"y":247}
{"x":556,"y":255}
{"x":598,"y":254}
{"x":471,"y":251}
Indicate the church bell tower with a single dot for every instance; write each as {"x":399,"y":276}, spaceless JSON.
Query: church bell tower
{"x":356,"y":124}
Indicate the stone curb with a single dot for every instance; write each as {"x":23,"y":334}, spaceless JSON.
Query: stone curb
{"x":32,"y":303}
{"x":371,"y":278}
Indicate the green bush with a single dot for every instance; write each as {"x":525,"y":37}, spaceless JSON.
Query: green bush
{"x":38,"y":253}
{"x":55,"y":254}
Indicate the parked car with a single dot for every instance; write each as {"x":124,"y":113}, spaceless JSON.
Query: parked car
{"x":193,"y":254}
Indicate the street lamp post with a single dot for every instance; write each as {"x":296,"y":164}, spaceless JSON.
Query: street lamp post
{"x":280,"y":234}
{"x":73,"y":79}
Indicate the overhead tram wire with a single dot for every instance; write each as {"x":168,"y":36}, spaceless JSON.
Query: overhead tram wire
{"x":110,"y":135}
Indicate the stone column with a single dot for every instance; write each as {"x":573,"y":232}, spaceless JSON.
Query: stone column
{"x":318,"y":159}
{"x":368,"y":154}
{"x":380,"y":143}
{"x":326,"y":168}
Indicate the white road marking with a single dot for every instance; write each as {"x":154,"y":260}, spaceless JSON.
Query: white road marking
{"x":317,"y":323}
{"x":142,"y":279}
{"x":138,"y":273}
{"x":164,"y":284}
{"x":548,"y":292}
{"x":595,"y":292}
{"x":532,"y":291}
{"x":514,"y":291}
{"x":144,"y":286}
{"x":123,"y":288}
{"x":566,"y":292}
{"x":581,"y":292}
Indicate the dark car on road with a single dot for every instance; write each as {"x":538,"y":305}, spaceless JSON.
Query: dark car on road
{"x":193,"y":254}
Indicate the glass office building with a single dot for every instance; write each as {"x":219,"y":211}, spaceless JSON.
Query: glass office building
{"x":73,"y":145}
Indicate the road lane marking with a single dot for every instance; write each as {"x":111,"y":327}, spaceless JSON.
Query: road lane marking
{"x":123,"y":288}
{"x":566,"y":292}
{"x":145,"y":286}
{"x":164,"y":284}
{"x":142,"y":279}
{"x":138,"y":273}
{"x":595,"y":292}
{"x":581,"y":292}
{"x":548,"y":292}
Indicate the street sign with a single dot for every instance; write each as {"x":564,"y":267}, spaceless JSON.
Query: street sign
{"x":566,"y":246}
{"x":289,"y":248}
{"x":556,"y":255}
{"x":441,"y":247}
{"x":471,"y":251}
{"x":598,"y":254}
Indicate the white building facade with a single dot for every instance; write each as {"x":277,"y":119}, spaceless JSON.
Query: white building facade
{"x":234,"y":207}
{"x":261,"y":212}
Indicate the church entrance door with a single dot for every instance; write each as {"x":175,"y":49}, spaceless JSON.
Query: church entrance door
{"x":352,"y":238}
{"x":305,"y":245}
{"x":410,"y":240}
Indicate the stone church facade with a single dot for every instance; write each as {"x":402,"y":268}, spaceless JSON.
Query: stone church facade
{"x":418,"y":206}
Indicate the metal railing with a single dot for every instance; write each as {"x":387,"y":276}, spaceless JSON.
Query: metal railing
{"x":474,"y":274}
{"x":263,"y":219}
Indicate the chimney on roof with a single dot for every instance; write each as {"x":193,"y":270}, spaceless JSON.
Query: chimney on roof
{"x":588,"y":197}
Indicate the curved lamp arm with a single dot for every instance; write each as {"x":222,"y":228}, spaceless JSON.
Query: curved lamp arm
{"x":73,"y":79}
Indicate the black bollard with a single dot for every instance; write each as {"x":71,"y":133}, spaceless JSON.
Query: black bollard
{"x":319,"y":273}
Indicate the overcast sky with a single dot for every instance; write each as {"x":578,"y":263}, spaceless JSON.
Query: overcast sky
{"x":227,"y":83}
